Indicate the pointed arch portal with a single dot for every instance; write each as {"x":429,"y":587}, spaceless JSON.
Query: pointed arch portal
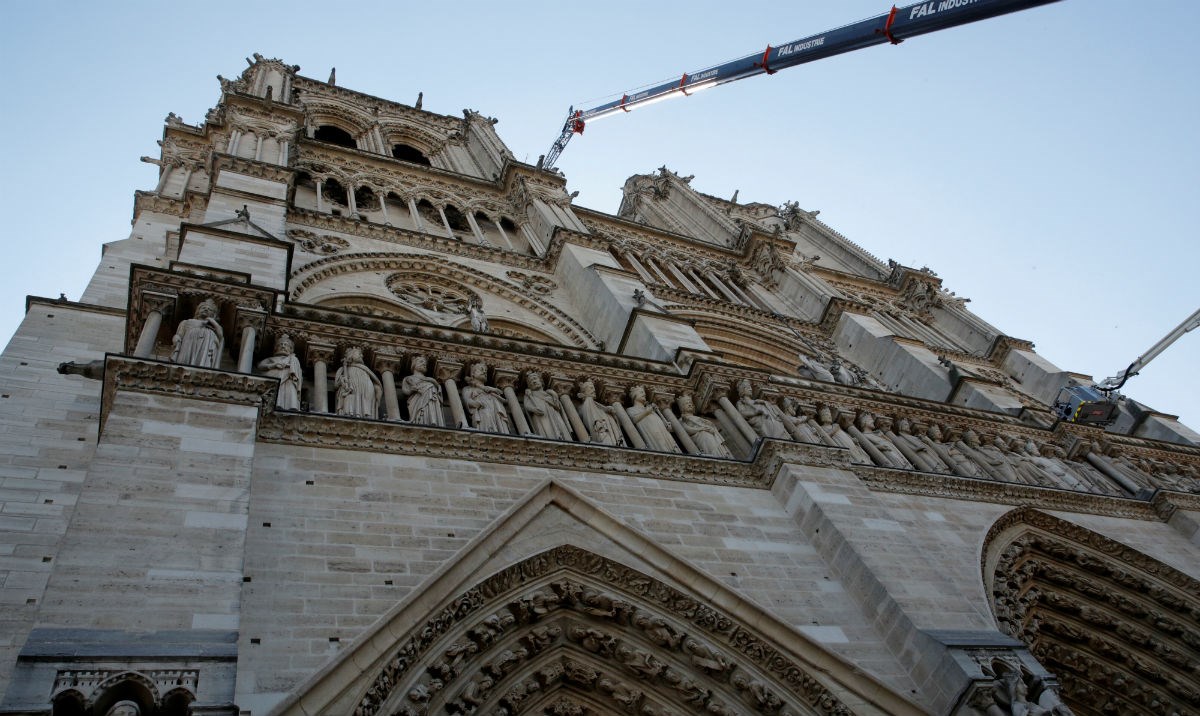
{"x":1121,"y":630}
{"x":571,"y":632}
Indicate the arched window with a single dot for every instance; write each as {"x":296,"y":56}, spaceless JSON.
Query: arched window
{"x":409,"y":153}
{"x":365,"y":200}
{"x":457,"y":222}
{"x":429,"y":217}
{"x":335,"y":135}
{"x":334,"y":193}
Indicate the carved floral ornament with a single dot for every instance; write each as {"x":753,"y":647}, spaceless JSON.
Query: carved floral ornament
{"x":318,"y":243}
{"x":570,"y":629}
{"x":1120,"y":629}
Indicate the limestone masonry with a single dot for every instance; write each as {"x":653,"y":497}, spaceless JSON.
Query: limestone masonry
{"x":367,"y":417}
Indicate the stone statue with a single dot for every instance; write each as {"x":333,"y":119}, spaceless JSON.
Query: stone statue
{"x":598,"y":418}
{"x":914,"y":449}
{"x":545,"y":412}
{"x":1012,"y":698}
{"x":479,"y":321}
{"x":124,"y":708}
{"x":198,"y":341}
{"x":485,"y":403}
{"x":702,"y":431}
{"x":836,"y":432}
{"x":810,"y":368}
{"x":881,"y":450}
{"x":948,"y":451}
{"x":800,"y":425}
{"x":285,"y":366}
{"x":764,"y":416}
{"x":424,"y":395}
{"x":357,"y":388}
{"x":990,"y":460}
{"x":649,"y":423}
{"x":842,"y":374}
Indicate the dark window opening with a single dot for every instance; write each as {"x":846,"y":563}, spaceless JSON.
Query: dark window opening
{"x":335,"y":135}
{"x":365,"y":199}
{"x":334,"y":193}
{"x":429,"y":215}
{"x":507,"y":224}
{"x":456,"y":220}
{"x":407,"y":153}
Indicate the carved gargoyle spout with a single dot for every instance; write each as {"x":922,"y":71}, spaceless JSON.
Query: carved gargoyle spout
{"x":92,"y":369}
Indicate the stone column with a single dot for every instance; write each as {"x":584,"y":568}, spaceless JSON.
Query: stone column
{"x":446,"y":371}
{"x":1105,"y":467}
{"x":663,"y":402}
{"x":250,"y":321}
{"x":563,"y":386}
{"x":165,"y":174}
{"x":386,"y":364}
{"x":446,"y":222}
{"x":503,"y":233}
{"x":614,"y":395}
{"x":156,"y":305}
{"x":721,"y":286}
{"x":638,"y":268}
{"x":320,"y":200}
{"x":258,"y":148}
{"x":683,"y":280}
{"x":235,"y":138}
{"x":320,"y":355}
{"x":701,"y":284}
{"x":505,"y":380}
{"x":662,"y":275}
{"x":283,"y":150}
{"x":739,"y":422}
{"x":383,"y":207}
{"x":476,"y":230}
{"x":416,"y":216}
{"x":733,"y":436}
{"x":350,"y":201}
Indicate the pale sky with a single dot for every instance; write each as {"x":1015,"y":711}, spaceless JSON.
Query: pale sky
{"x":1045,"y":164}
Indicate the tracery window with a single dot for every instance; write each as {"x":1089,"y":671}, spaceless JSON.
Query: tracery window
{"x":431,"y":297}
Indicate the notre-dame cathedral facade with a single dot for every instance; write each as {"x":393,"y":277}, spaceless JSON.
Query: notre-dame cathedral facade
{"x":368,"y":417}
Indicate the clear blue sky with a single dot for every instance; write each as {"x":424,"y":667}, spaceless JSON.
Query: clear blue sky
{"x":1046,"y":164}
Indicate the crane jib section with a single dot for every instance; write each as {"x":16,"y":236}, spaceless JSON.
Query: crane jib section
{"x":893,"y":26}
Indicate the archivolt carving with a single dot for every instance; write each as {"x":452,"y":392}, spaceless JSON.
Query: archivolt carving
{"x":568,"y":620}
{"x":318,"y":243}
{"x":1120,"y":629}
{"x":431,"y":266}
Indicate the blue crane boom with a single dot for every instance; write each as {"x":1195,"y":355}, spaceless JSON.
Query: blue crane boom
{"x":894,"y":26}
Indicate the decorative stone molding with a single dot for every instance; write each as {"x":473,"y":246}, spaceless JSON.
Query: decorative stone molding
{"x":482,"y":649}
{"x":161,"y":378}
{"x":1119,"y":628}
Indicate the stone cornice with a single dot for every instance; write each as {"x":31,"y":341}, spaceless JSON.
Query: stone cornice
{"x":163,"y":378}
{"x":31,"y":301}
{"x":317,"y":430}
{"x":649,"y":236}
{"x":307,"y":83}
{"x":250,"y":167}
{"x":911,"y":482}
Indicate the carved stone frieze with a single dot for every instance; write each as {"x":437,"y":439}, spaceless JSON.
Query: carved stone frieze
{"x":637,"y":643}
{"x":315,"y":243}
{"x":540,"y":285}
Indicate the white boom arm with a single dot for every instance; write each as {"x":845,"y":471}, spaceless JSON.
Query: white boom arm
{"x":1115,"y":382}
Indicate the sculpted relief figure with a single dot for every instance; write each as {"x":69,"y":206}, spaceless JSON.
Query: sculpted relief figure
{"x":914,"y":449}
{"x":836,"y":432}
{"x":876,"y":445}
{"x":198,"y":341}
{"x":702,"y":431}
{"x":990,"y":460}
{"x":424,"y":395}
{"x":357,"y":388}
{"x":799,"y":423}
{"x":545,"y":412}
{"x":946,"y":448}
{"x":484,"y":403}
{"x":479,"y":321}
{"x":764,"y":416}
{"x":598,"y":418}
{"x":810,"y":368}
{"x":285,"y":366}
{"x":649,"y":423}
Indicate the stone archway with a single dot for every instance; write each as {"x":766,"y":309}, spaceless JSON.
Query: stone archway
{"x":1121,"y":630}
{"x":571,"y":632}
